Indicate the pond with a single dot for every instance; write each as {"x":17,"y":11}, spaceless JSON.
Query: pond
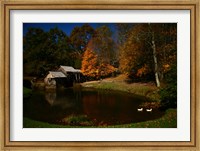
{"x":87,"y":107}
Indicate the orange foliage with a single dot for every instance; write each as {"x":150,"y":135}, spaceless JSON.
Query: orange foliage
{"x":105,"y":69}
{"x":89,"y":63}
{"x":142,"y":71}
{"x":166,"y":67}
{"x":91,"y":68}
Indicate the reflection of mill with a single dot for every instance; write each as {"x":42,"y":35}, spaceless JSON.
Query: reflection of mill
{"x":59,"y":100}
{"x":50,"y":97}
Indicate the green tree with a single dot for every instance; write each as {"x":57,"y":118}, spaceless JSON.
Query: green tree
{"x":169,"y":92}
{"x":44,"y":51}
{"x":59,"y":48}
{"x":103,"y":44}
{"x":79,"y":37}
{"x":33,"y":42}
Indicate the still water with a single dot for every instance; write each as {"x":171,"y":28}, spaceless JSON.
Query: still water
{"x":100,"y":107}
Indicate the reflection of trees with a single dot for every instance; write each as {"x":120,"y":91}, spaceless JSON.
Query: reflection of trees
{"x":112,"y":108}
{"x":100,"y":105}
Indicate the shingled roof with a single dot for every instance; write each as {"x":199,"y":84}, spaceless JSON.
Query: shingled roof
{"x":70,"y":69}
{"x":56,"y":74}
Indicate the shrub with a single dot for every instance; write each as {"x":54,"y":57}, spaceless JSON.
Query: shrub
{"x":168,"y":94}
{"x":77,"y":120}
{"x":26,"y":93}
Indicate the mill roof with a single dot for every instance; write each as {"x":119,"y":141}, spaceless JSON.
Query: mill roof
{"x":70,"y":69}
{"x":57,"y":74}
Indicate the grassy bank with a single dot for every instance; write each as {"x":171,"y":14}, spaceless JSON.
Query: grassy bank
{"x":26,"y":92}
{"x":169,"y":120}
{"x":148,"y":90}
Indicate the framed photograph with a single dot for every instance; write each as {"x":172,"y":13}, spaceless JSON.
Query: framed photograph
{"x":114,"y":75}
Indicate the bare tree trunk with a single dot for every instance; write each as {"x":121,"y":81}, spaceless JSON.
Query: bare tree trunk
{"x":153,"y":46}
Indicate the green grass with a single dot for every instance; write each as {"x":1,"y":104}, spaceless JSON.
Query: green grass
{"x":29,"y":123}
{"x":26,"y":92}
{"x":135,"y":88}
{"x":169,"y":120}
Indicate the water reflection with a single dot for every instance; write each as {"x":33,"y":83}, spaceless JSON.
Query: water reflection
{"x":59,"y":99}
{"x":98,"y":106}
{"x":50,"y":97}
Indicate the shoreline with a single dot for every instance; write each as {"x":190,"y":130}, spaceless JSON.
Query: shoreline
{"x":148,"y":90}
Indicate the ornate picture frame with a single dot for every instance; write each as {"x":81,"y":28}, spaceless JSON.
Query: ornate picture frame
{"x":8,"y":5}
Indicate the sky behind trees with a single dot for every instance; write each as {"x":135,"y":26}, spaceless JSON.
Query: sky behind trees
{"x":65,"y":27}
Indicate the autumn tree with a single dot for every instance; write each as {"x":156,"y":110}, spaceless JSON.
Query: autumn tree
{"x":164,"y":46}
{"x":89,"y":63}
{"x":135,"y":55}
{"x":146,"y":50}
{"x":92,"y":66}
{"x":123,"y":30}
